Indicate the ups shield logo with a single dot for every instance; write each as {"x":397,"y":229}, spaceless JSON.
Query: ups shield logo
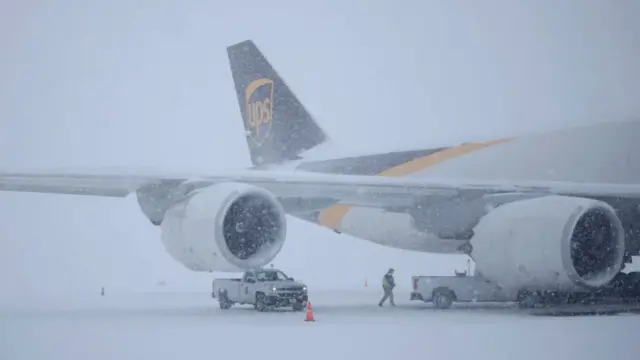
{"x":259,"y":110}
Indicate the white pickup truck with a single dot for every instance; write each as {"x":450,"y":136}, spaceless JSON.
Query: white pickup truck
{"x":443,"y":291}
{"x":264,"y":289}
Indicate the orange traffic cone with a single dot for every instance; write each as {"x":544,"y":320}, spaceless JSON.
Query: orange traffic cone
{"x":309,"y":313}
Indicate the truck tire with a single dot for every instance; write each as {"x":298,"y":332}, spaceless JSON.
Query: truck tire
{"x":299,"y":307}
{"x":223,"y":300}
{"x":261,"y":304}
{"x":443,"y":298}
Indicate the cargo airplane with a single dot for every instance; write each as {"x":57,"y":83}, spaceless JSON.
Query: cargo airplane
{"x":556,"y":211}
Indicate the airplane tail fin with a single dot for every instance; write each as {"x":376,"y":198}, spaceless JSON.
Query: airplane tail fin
{"x":277,"y":125}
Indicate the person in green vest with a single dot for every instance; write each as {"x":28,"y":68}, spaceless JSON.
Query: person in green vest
{"x":388,"y":283}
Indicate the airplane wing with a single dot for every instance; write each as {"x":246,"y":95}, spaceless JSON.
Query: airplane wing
{"x":357,"y":190}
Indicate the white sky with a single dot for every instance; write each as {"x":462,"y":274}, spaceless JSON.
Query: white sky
{"x":147,"y":84}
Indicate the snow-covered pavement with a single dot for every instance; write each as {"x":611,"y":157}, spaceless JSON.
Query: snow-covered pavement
{"x":348,"y":325}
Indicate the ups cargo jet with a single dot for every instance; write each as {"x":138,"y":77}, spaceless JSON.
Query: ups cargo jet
{"x":558,"y":211}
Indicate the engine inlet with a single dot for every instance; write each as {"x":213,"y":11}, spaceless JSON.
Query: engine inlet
{"x":250,"y":224}
{"x":596,"y":245}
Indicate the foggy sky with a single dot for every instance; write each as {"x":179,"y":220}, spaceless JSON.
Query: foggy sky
{"x":147,"y":84}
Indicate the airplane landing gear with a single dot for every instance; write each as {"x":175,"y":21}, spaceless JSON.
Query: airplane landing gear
{"x":623,"y":291}
{"x":529,"y":299}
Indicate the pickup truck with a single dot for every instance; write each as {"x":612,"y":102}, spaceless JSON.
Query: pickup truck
{"x":264,"y":289}
{"x":443,"y":291}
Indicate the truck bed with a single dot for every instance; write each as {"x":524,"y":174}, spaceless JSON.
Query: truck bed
{"x":231,"y":285}
{"x":463,"y":288}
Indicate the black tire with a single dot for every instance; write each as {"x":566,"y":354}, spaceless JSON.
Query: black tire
{"x":299,"y":307}
{"x":225,"y":305}
{"x":261,"y":304}
{"x":443,"y":298}
{"x":224,"y":302}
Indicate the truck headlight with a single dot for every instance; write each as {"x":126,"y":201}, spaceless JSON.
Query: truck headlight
{"x":304,"y":289}
{"x":274,"y":289}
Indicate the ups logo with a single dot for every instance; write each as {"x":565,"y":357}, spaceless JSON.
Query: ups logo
{"x":259,"y":110}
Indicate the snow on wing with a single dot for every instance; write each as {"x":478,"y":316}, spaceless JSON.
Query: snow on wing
{"x":360,"y":190}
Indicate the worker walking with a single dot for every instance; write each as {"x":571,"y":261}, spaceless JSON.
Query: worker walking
{"x":388,"y":283}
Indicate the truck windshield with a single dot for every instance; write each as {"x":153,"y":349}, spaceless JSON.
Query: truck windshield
{"x":271,"y":275}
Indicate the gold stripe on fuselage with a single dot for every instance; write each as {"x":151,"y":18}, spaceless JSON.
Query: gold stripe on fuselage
{"x":332,"y":216}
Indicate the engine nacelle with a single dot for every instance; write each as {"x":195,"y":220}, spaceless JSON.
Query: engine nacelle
{"x":556,"y":243}
{"x":225,"y":227}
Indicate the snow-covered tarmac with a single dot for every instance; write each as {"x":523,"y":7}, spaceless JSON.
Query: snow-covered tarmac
{"x":348,"y":325}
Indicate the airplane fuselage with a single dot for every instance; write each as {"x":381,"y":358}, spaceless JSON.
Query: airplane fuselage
{"x":603,"y":153}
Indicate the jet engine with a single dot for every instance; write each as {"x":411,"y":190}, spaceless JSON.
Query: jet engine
{"x":554,"y":243}
{"x":225,"y":227}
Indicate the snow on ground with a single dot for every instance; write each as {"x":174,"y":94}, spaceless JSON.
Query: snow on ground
{"x":348,"y":325}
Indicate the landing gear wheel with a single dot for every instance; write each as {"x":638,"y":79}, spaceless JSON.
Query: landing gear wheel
{"x":443,"y":299}
{"x":224,"y":301}
{"x":529,"y":299}
{"x":261,"y":304}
